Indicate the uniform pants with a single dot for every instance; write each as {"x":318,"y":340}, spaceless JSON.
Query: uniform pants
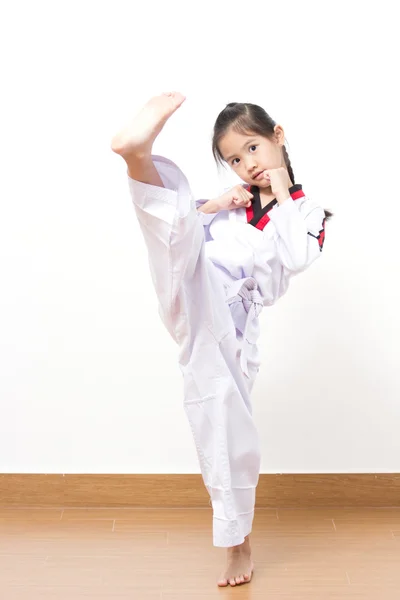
{"x":194,"y":309}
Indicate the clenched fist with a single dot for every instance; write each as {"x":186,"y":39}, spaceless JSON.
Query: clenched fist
{"x":237,"y":197}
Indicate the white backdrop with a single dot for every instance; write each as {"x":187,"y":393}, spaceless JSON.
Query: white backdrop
{"x":89,"y":380}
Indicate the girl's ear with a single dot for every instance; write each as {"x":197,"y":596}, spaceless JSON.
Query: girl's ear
{"x":279,"y":134}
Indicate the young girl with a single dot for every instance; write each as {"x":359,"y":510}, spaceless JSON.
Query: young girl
{"x":215,"y":264}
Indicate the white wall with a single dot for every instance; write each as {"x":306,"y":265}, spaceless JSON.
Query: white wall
{"x":89,"y":379}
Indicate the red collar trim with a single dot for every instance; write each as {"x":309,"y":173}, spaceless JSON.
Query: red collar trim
{"x":259,"y":217}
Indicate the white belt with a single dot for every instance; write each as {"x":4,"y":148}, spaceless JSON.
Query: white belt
{"x":245,"y":303}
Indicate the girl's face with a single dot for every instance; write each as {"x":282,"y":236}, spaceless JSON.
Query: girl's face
{"x":250,"y":154}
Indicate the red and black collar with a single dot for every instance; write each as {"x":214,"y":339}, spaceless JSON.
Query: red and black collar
{"x":258,"y":216}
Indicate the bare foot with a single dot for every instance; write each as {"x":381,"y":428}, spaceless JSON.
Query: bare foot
{"x":239,"y":567}
{"x":138,"y":136}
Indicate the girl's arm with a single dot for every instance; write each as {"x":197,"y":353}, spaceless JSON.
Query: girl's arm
{"x":207,"y":206}
{"x":232,"y":198}
{"x":300,"y":227}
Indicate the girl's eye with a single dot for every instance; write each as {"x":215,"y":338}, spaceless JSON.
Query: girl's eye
{"x":253,"y":146}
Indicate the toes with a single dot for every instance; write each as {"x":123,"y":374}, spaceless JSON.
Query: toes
{"x":232,"y":582}
{"x":241,"y":579}
{"x":223,"y":582}
{"x":247,"y":577}
{"x":237,"y":579}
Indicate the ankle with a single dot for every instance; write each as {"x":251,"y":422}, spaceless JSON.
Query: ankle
{"x":243,"y":547}
{"x":137,"y":155}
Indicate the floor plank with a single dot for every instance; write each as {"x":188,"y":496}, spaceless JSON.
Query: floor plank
{"x":155,"y":554}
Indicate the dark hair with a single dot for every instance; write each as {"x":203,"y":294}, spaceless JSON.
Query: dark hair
{"x":247,"y":118}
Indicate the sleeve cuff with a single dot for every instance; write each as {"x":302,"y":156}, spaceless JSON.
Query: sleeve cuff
{"x":280,"y":211}
{"x":205,"y":218}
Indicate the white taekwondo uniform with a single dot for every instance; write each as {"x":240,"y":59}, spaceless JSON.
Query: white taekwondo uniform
{"x":213,"y":273}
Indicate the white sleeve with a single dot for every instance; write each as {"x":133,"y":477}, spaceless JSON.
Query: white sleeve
{"x":300,"y":227}
{"x":206,"y":218}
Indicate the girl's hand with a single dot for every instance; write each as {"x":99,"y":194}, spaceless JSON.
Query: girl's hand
{"x":279,"y":180}
{"x":237,"y":197}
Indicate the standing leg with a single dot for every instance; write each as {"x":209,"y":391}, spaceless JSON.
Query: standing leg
{"x":193,"y":307}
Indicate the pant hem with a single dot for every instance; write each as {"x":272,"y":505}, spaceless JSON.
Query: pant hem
{"x":232,"y":533}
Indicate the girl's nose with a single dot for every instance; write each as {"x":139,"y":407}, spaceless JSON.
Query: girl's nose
{"x":251,"y":167}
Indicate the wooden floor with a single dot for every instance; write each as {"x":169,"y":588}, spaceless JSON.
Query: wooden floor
{"x":153,"y":554}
